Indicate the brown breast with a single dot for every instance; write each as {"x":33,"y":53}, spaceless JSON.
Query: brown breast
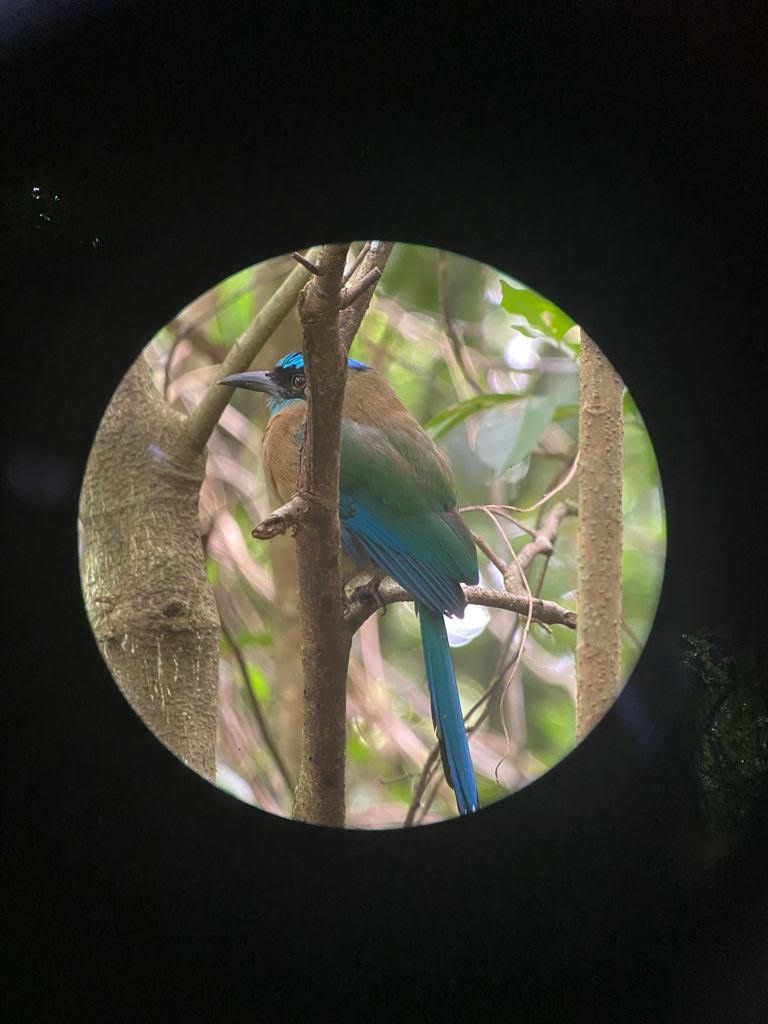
{"x":281,"y":453}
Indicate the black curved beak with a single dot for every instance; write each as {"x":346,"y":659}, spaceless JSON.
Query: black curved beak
{"x":261,"y":380}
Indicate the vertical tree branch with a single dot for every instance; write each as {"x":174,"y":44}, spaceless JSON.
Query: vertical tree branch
{"x":352,"y":316}
{"x":598,"y":629}
{"x":456,"y":343}
{"x":325,"y":638}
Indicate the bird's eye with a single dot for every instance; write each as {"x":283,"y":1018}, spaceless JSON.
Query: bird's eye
{"x":299,"y":380}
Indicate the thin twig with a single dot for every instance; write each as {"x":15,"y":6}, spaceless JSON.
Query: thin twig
{"x":526,"y":628}
{"x":456,"y":342}
{"x":168,"y":361}
{"x":196,"y":336}
{"x":489,"y":553}
{"x":256,"y":707}
{"x":307,"y":264}
{"x":356,"y":262}
{"x":542,"y":544}
{"x":500,"y":511}
{"x":426,"y":774}
{"x":356,"y":288}
{"x":505,"y":669}
{"x":555,"y":490}
{"x":632,"y":635}
{"x":282,"y":519}
{"x":430,"y":798}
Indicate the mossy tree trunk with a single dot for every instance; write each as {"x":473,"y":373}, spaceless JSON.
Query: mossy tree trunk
{"x":601,"y":447}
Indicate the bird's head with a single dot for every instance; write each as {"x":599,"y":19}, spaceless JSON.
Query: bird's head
{"x":287,"y":382}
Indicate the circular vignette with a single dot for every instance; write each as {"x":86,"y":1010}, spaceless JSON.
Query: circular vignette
{"x":554,"y":474}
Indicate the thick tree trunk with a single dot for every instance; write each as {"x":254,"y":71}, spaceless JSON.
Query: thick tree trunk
{"x":146,"y":590}
{"x":601,"y":445}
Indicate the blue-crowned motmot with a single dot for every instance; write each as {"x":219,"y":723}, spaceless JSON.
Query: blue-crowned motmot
{"x":398,"y":515}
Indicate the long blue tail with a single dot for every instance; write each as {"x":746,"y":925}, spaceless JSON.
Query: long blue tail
{"x":446,"y":710}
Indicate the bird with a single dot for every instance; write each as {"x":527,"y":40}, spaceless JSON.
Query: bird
{"x":398,"y":517}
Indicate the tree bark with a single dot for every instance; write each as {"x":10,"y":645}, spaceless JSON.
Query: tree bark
{"x":146,"y":591}
{"x":325,"y":639}
{"x":331,"y":308}
{"x":598,"y":629}
{"x":144,"y":575}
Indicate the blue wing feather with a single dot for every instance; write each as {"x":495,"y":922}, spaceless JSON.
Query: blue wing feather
{"x":362,"y":531}
{"x":416,"y":536}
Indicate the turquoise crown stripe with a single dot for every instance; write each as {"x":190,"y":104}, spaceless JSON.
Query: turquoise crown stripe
{"x":295,"y":361}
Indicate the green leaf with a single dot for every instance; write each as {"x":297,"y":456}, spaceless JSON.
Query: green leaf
{"x":247,"y":639}
{"x":572,"y":340}
{"x":538,"y":311}
{"x":356,"y":748}
{"x":550,"y":722}
{"x":507,"y":435}
{"x":449,"y":418}
{"x":566,"y":412}
{"x":258,"y":683}
{"x":234,"y":307}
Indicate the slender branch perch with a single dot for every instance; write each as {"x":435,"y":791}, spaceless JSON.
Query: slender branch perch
{"x":359,"y":609}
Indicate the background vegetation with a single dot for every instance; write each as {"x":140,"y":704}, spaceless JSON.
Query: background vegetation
{"x":490,"y":368}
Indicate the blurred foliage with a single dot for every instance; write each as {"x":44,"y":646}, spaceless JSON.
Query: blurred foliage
{"x":732,"y":750}
{"x":508,"y":445}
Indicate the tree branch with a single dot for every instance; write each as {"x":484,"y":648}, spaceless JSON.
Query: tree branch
{"x":601,"y":439}
{"x":356,"y":262}
{"x":359,"y":609}
{"x":456,"y":343}
{"x":325,"y":641}
{"x":202,"y":421}
{"x":356,"y":288}
{"x":307,"y":264}
{"x":542,"y":544}
{"x":351,"y":317}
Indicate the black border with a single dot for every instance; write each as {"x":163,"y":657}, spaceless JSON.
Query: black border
{"x":608,"y":156}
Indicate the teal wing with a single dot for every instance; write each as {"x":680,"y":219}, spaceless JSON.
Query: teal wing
{"x":398,"y":506}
